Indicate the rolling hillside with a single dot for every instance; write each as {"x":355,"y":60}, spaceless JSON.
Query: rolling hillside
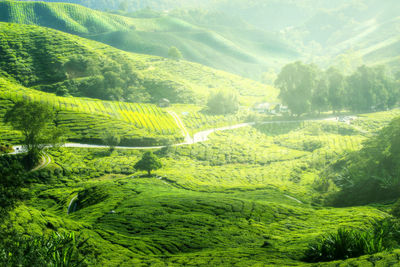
{"x":85,"y":120}
{"x":71,"y":73}
{"x":52,"y":61}
{"x":224,"y":49}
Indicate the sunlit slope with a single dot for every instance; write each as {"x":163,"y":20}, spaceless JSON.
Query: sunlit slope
{"x":36,"y":56}
{"x":65,"y":17}
{"x":86,"y":119}
{"x":203,"y":44}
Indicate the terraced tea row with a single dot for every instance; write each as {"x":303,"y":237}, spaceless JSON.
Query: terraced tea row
{"x":77,"y":114}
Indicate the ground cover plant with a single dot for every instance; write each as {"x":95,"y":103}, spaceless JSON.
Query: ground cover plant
{"x":171,"y":163}
{"x":253,"y":198}
{"x":219,"y":48}
{"x":61,"y":63}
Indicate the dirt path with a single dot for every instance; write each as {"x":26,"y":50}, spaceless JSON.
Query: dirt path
{"x":46,"y":160}
{"x":180,"y":124}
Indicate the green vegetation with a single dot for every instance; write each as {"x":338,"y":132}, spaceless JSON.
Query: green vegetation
{"x":11,"y":182}
{"x":305,"y":88}
{"x":33,"y":120}
{"x":354,"y":243}
{"x":226,"y":49}
{"x":111,"y":139}
{"x":148,"y":162}
{"x":86,"y":120}
{"x":37,"y":57}
{"x":56,"y":250}
{"x":275,"y":191}
{"x":223,"y":102}
{"x":174,"y":53}
{"x":252,"y":193}
{"x":370,"y":174}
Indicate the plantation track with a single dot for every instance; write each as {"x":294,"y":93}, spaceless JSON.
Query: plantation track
{"x":46,"y":160}
{"x":199,"y":137}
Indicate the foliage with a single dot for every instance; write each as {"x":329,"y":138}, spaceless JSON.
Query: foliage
{"x":85,"y":120}
{"x":336,"y":89}
{"x":240,"y":189}
{"x":351,"y":243}
{"x":148,"y":162}
{"x":372,"y":174}
{"x":54,"y":61}
{"x":111,"y":139}
{"x":12,"y":176}
{"x":56,"y":250}
{"x":5,"y":148}
{"x":396,"y":209}
{"x":174,"y":53}
{"x":34,"y":121}
{"x":141,"y":32}
{"x":297,"y":82}
{"x":306,"y":88}
{"x":223,"y":102}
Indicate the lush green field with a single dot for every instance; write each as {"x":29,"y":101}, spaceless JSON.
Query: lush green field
{"x":86,"y":119}
{"x":245,"y":197}
{"x":48,"y":60}
{"x":222,"y":49}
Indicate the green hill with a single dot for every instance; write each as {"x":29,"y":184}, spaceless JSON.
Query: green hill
{"x":52,"y":61}
{"x":224,"y":49}
{"x":86,"y":120}
{"x":245,"y":197}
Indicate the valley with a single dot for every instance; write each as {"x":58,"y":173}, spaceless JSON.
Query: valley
{"x":188,"y":133}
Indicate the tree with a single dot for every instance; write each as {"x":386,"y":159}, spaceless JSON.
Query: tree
{"x":370,"y":88}
{"x":111,"y":139}
{"x":34,"y":120}
{"x":223,"y":102}
{"x":336,"y":89}
{"x":296,"y":82}
{"x":319,"y":100}
{"x":148,"y":162}
{"x":174,"y":53}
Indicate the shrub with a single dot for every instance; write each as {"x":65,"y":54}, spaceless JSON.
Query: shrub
{"x":396,"y":209}
{"x":56,"y":250}
{"x":350,"y":243}
{"x":223,"y":102}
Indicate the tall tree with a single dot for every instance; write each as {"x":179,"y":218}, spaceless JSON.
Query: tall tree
{"x":34,"y":120}
{"x":370,"y":88}
{"x":297,"y":82}
{"x":320,"y":95}
{"x":336,"y":89}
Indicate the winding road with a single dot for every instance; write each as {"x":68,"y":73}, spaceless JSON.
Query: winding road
{"x":199,"y":137}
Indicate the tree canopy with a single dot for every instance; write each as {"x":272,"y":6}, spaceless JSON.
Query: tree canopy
{"x":296,"y":82}
{"x":111,"y":139}
{"x":305,"y":88}
{"x":148,"y":162}
{"x":34,"y":120}
{"x":223,"y":102}
{"x":174,"y":53}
